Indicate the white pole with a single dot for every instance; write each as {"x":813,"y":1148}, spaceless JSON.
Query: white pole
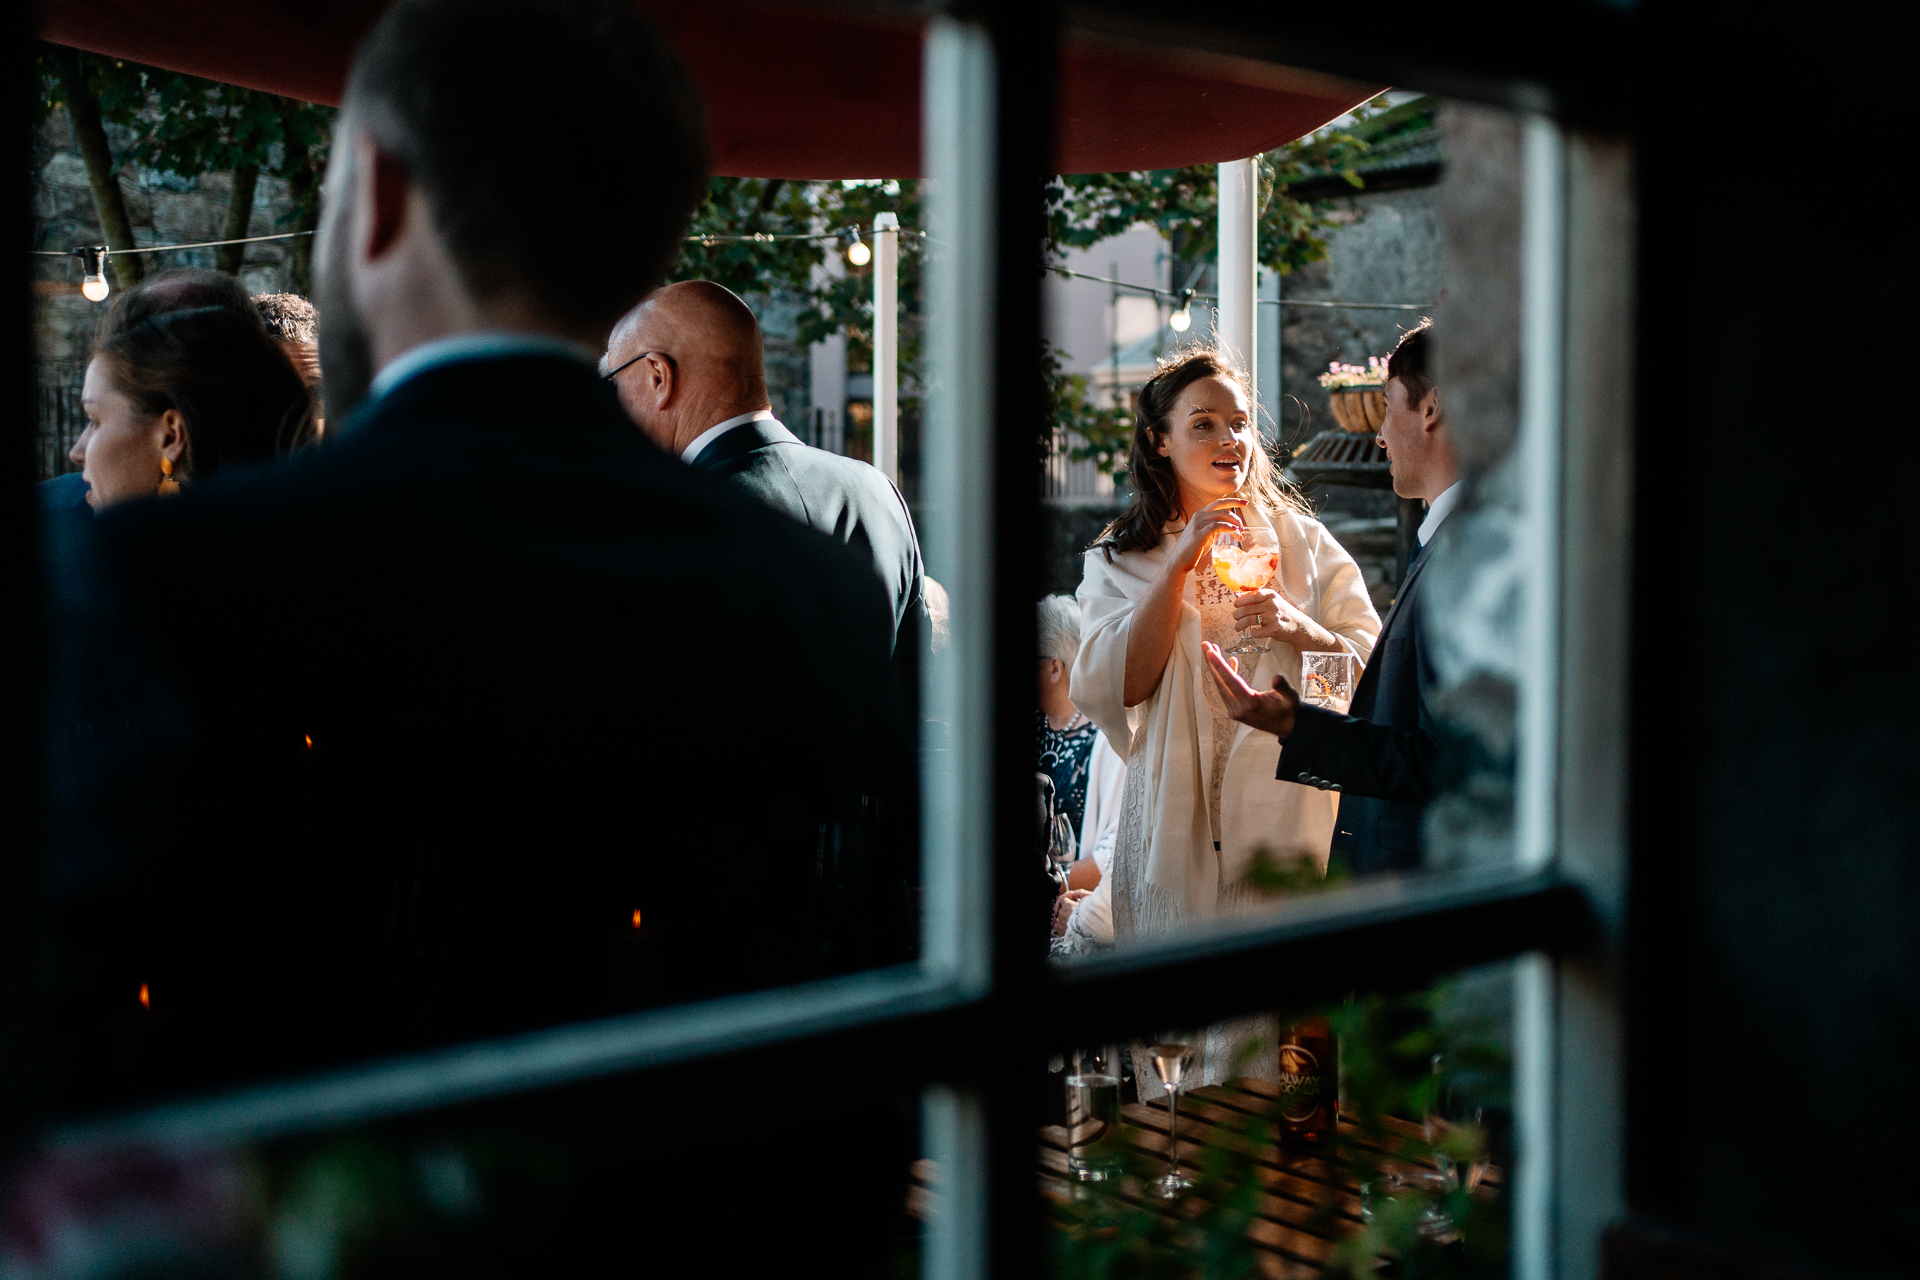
{"x":1266,"y":332}
{"x":1239,"y":258}
{"x":886,"y":345}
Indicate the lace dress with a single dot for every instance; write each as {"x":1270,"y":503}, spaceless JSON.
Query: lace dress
{"x":1222,"y":1046}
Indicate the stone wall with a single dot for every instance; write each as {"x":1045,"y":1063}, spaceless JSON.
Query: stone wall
{"x":1384,"y":247}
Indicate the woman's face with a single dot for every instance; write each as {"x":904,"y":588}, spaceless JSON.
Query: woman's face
{"x":120,"y":451}
{"x":1209,"y":439}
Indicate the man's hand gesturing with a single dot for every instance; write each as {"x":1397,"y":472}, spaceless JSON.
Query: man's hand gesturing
{"x":1271,"y":711}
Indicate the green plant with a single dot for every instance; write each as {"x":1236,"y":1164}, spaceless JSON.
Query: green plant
{"x":189,"y":127}
{"x":1401,"y":1057}
{"x":1372,"y":374}
{"x":1183,"y":206}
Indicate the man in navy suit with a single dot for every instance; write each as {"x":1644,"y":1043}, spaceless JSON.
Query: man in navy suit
{"x":689,"y":368}
{"x":1381,"y":756}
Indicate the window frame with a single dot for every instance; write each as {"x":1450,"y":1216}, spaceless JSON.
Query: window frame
{"x":985,"y":83}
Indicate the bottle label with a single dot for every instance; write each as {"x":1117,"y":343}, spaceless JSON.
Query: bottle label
{"x":1299,"y":1083}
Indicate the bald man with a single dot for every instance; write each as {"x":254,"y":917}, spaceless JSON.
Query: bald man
{"x":688,"y":368}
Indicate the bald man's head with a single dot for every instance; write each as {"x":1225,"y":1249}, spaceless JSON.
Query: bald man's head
{"x":692,"y":360}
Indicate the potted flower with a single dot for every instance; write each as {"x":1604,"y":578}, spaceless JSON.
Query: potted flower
{"x":1358,"y":393}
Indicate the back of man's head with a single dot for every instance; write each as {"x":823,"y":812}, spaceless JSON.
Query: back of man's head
{"x":522,"y":120}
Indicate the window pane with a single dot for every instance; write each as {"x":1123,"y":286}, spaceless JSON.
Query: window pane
{"x":1399,"y":391}
{"x":405,"y":744}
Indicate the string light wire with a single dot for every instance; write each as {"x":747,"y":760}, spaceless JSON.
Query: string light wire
{"x":755,"y":237}
{"x":1182,"y":296}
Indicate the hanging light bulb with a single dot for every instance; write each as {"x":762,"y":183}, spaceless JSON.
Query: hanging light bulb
{"x":1182,"y":320}
{"x":857,"y":252}
{"x":93,"y":263}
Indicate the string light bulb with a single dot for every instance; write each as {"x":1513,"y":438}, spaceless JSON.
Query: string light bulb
{"x":857,"y":252}
{"x":93,"y":264}
{"x":1182,"y":320}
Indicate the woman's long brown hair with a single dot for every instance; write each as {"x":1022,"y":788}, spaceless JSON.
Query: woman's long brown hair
{"x":1156,"y":490}
{"x":240,"y":397}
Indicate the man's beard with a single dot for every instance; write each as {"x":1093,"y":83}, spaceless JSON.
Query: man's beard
{"x":346,"y":352}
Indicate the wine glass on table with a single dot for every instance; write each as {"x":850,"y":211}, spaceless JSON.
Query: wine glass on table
{"x":1062,"y":850}
{"x":1171,"y":1053}
{"x":1245,"y":562}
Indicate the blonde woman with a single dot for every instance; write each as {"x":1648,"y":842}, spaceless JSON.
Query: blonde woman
{"x":1201,"y":798}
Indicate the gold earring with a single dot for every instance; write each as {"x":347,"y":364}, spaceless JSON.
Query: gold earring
{"x":168,"y":485}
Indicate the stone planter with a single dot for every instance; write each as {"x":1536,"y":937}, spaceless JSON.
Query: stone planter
{"x":1359,"y":409}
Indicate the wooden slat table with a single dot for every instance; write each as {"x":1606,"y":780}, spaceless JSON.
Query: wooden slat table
{"x":1294,"y":1234}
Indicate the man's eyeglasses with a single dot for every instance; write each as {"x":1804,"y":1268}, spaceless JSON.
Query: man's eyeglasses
{"x":610,"y":374}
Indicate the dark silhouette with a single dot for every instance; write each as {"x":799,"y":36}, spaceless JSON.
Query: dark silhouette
{"x":448,"y":728}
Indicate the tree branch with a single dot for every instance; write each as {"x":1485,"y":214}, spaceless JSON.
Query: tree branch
{"x":109,"y":202}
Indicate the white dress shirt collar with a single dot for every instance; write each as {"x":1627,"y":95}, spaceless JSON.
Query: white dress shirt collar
{"x":488,"y":344}
{"x":1437,"y":512}
{"x":714,"y":432}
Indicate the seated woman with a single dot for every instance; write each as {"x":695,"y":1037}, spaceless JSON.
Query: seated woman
{"x":1068,"y":743}
{"x":1087,"y":777}
{"x":1200,"y":801}
{"x":181,"y":392}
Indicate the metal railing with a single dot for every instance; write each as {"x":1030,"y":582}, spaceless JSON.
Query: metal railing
{"x":59,"y":422}
{"x":1068,"y":483}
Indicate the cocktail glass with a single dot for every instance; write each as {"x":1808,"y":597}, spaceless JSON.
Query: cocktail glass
{"x":1326,"y":680}
{"x":1247,"y":562}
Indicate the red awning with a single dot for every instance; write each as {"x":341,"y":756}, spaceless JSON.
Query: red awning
{"x":791,"y":92}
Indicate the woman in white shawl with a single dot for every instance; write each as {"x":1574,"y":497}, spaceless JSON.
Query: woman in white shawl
{"x":1201,"y":799}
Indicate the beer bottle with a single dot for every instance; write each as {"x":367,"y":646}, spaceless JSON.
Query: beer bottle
{"x":1309,"y":1085}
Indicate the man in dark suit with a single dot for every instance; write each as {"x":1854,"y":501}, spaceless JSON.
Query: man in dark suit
{"x":689,"y":369}
{"x":1381,"y":755}
{"x":454,"y":737}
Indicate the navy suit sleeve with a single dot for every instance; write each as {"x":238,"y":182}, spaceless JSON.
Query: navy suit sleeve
{"x":1366,"y":759}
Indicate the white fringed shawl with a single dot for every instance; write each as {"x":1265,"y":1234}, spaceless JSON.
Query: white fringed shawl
{"x":1166,"y":872}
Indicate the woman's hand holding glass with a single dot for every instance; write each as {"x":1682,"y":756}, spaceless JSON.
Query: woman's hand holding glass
{"x":1269,"y":615}
{"x":1222,"y":515}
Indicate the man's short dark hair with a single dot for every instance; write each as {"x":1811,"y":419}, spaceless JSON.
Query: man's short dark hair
{"x":289,"y":317}
{"x":561,"y":144}
{"x":1411,"y":361}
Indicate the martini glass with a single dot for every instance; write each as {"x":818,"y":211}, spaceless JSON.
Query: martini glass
{"x":1170,"y":1054}
{"x":1247,"y":562}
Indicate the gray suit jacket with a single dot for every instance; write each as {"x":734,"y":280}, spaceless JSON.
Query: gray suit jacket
{"x":841,"y":497}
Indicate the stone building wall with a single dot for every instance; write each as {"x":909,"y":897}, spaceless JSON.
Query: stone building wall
{"x":1385,"y":247}
{"x":164,"y":209}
